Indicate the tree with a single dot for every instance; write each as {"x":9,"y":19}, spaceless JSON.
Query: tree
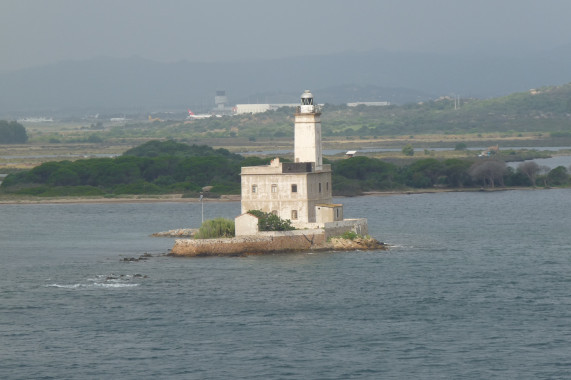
{"x":460,"y":146}
{"x":64,"y":177}
{"x":408,"y":150}
{"x":530,"y":169}
{"x":456,"y":172}
{"x":558,"y":176}
{"x":423,"y":173}
{"x":488,"y":171}
{"x":12,"y":133}
{"x":544,"y":170}
{"x":94,"y":139}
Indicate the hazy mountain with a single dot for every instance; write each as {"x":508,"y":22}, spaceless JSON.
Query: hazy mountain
{"x":135,"y":83}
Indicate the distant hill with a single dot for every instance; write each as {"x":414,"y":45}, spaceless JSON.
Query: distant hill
{"x":543,"y":110}
{"x":119,"y":84}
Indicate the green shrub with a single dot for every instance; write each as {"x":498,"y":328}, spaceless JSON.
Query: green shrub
{"x":460,"y":146}
{"x":216,"y":228}
{"x":408,"y":150}
{"x":350,"y":235}
{"x":271,"y":222}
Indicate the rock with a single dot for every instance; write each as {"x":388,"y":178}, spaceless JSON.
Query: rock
{"x":179,"y":233}
{"x":360,"y":243}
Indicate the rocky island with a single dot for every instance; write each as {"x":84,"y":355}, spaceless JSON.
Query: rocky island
{"x":299,"y":192}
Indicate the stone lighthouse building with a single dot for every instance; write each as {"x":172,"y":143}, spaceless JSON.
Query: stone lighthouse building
{"x":301,"y":190}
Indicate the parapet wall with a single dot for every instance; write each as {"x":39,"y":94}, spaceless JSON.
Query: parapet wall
{"x":359,"y":226}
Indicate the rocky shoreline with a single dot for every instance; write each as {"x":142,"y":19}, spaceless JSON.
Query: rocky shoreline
{"x":266,"y":244}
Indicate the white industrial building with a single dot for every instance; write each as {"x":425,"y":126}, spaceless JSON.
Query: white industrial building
{"x":259,"y":107}
{"x":370,"y":104}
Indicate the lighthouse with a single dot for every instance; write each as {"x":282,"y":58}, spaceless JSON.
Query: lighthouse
{"x":300,"y":191}
{"x":307,"y":124}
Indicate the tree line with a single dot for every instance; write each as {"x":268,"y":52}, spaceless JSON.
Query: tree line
{"x":171,"y":167}
{"x":362,"y":174}
{"x":153,"y":168}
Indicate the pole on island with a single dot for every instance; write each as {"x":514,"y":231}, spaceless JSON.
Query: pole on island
{"x":202,"y":207}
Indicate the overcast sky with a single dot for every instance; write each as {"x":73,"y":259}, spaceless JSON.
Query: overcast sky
{"x":37,"y":32}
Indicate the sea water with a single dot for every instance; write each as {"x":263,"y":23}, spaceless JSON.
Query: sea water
{"x":476,"y":285}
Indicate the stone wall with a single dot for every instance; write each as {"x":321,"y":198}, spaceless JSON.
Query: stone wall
{"x":264,"y":242}
{"x":359,"y":226}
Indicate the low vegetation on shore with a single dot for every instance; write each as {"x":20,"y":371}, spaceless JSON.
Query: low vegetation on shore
{"x":216,"y":228}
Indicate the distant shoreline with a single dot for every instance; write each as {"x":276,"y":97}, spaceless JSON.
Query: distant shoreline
{"x":236,"y":198}
{"x":134,"y":199}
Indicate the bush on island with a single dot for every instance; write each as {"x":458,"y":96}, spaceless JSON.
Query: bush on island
{"x":216,"y":228}
{"x":271,"y":222}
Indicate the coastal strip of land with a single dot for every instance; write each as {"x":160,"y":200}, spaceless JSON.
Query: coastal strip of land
{"x":228,"y":198}
{"x":123,"y":199}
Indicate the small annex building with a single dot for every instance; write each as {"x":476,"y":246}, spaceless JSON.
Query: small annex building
{"x":300,"y":191}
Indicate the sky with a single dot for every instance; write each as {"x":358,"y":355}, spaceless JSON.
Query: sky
{"x":39,"y":32}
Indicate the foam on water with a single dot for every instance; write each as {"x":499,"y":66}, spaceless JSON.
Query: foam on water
{"x":94,"y":285}
{"x":104,"y":281}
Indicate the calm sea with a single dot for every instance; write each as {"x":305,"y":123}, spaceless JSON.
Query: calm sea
{"x":476,"y":286}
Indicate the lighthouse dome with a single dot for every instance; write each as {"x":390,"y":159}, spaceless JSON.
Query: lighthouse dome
{"x":307,"y":102}
{"x":306,"y":94}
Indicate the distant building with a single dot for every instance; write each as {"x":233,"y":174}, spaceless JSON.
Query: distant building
{"x":375,"y":104}
{"x":241,"y":109}
{"x":221,"y":106}
{"x":220,"y":100}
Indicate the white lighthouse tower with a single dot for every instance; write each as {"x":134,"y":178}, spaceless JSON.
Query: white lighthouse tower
{"x":307,"y":146}
{"x":300,"y":191}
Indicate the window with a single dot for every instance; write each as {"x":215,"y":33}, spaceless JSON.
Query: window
{"x":327,"y":186}
{"x":320,"y":187}
{"x":254,"y":189}
{"x":293,"y":214}
{"x":274,"y":188}
{"x":294,"y":188}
